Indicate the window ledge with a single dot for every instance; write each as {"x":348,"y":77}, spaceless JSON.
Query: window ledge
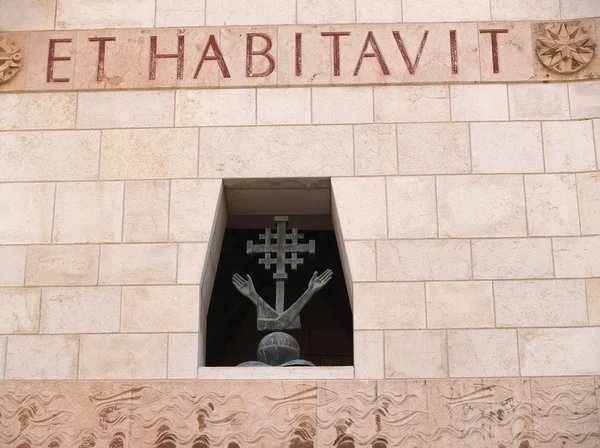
{"x":275,"y":373}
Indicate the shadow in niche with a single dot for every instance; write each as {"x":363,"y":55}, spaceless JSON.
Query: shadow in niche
{"x":326,"y":335}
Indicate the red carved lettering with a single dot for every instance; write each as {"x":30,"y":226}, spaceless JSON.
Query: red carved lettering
{"x":179,"y":56}
{"x":494,"y":35}
{"x":218,"y":56}
{"x":336,"y":49}
{"x":412,"y":67}
{"x":453,"y":52}
{"x":298,"y":54}
{"x":250,"y":52}
{"x":51,"y":58}
{"x":370,"y":40}
{"x":101,"y":54}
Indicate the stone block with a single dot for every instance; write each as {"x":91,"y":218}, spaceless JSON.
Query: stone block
{"x":150,"y":109}
{"x":24,"y":111}
{"x":48,"y":155}
{"x":507,"y":147}
{"x":217,"y":107}
{"x":178,"y":13}
{"x":577,"y":257}
{"x":315,"y":11}
{"x":368,"y":355}
{"x":385,"y":306}
{"x":411,"y":104}
{"x":12,"y":265}
{"x":190,"y":262}
{"x":339,"y":105}
{"x":434,"y":148}
{"x":538,"y":101}
{"x":81,"y":310}
{"x":42,"y":357}
{"x":585,"y":99}
{"x":37,"y":60}
{"x":416,"y":354}
{"x":283,"y":106}
{"x":3,"y":342}
{"x":26,"y":213}
{"x":577,"y":9}
{"x":483,"y":102}
{"x":146,"y":213}
{"x":27,"y":15}
{"x":149,"y":153}
{"x":138,"y":264}
{"x":293,"y":151}
{"x":193,"y":209}
{"x":588,"y":193}
{"x":593,"y":301}
{"x":560,"y":351}
{"x":459,"y":304}
{"x":378,"y":11}
{"x":411,"y":207}
{"x":183,"y":356}
{"x":406,"y":260}
{"x":361,"y":260}
{"x":375,"y":150}
{"x":481,"y":206}
{"x":89,"y":212}
{"x":58,"y":265}
{"x":263,"y":12}
{"x":123,"y":356}
{"x":20,"y":308}
{"x":552,"y":205}
{"x":540,"y":303}
{"x":445,"y":11}
{"x":525,"y":10}
{"x":477,"y":353}
{"x":512,"y":258}
{"x":78,"y":14}
{"x":568,"y":146}
{"x":360,"y":204}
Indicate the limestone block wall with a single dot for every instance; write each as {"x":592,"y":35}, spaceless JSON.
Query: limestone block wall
{"x":468,"y":215}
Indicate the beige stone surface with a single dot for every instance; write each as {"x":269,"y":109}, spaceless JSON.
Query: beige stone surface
{"x":315,"y":11}
{"x":384,"y":306}
{"x":361,"y":207}
{"x":37,"y":60}
{"x":411,"y":104}
{"x":218,"y":107}
{"x":77,"y":14}
{"x":27,"y":15}
{"x":277,"y":373}
{"x":378,"y":11}
{"x":432,"y":148}
{"x":588,"y":193}
{"x":81,"y":310}
{"x":411,"y":207}
{"x":190,"y":262}
{"x":283,"y":106}
{"x":146,"y":213}
{"x":459,"y":304}
{"x":20,"y":308}
{"x":445,"y":11}
{"x":585,"y":99}
{"x":194,"y":204}
{"x":552,"y":205}
{"x":540,"y":303}
{"x":231,"y":12}
{"x":593,"y":301}
{"x":481,"y":206}
{"x":342,"y":105}
{"x":150,"y":109}
{"x":512,"y":258}
{"x":180,"y":12}
{"x":577,"y":257}
{"x":58,"y":265}
{"x":37,"y":110}
{"x":134,"y":264}
{"x":405,"y":260}
{"x":12,"y":265}
{"x":577,"y":9}
{"x":361,"y":260}
{"x":89,"y":212}
{"x":375,"y":149}
{"x":160,"y":309}
{"x":525,"y":9}
{"x":26,"y":213}
{"x":569,"y":146}
{"x":292,"y":151}
{"x":49,"y":155}
{"x":507,"y":147}
{"x":369,"y":355}
{"x":3,"y":342}
{"x":484,"y":102}
{"x":149,"y":153}
{"x":123,"y":356}
{"x":559,"y":351}
{"x":538,"y":101}
{"x":476,"y":353}
{"x":183,"y":356}
{"x":416,"y":354}
{"x":42,"y":357}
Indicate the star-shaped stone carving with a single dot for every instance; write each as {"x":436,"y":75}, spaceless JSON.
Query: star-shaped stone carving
{"x":565,"y":49}
{"x":10,"y":61}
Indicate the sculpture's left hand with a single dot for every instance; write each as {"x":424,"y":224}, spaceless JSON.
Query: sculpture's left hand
{"x":318,"y":282}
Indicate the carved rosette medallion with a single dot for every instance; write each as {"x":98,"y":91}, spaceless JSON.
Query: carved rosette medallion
{"x":565,"y":48}
{"x":10,"y":61}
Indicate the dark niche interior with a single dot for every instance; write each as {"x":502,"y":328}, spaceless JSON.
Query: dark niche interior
{"x":326,"y":335}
